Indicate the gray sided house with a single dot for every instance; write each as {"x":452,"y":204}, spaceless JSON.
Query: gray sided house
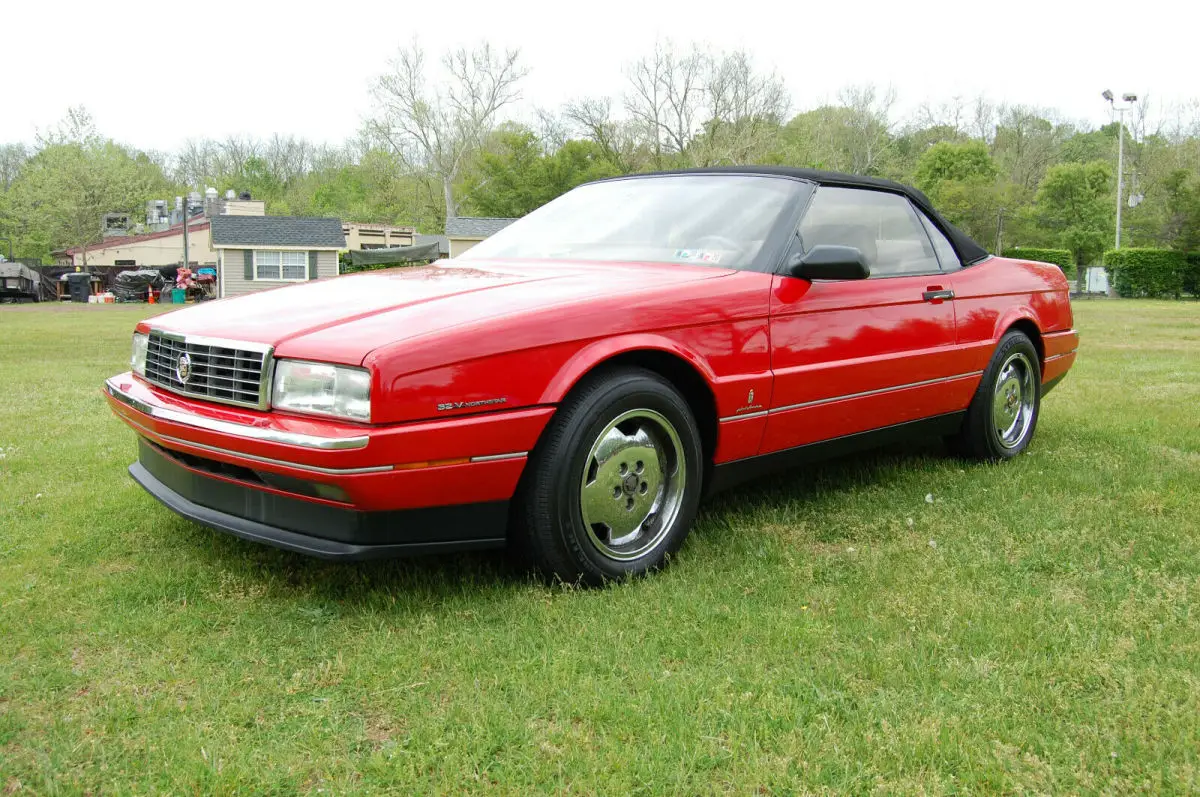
{"x":463,"y":232}
{"x":258,"y":252}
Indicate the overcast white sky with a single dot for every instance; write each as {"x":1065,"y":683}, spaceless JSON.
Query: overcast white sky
{"x":304,"y":67}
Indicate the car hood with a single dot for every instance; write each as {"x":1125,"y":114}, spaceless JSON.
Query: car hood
{"x":343,"y":319}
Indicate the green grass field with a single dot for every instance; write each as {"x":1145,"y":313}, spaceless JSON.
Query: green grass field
{"x":901,"y":622}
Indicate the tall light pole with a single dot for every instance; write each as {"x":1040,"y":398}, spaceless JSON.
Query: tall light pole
{"x":1130,"y":99}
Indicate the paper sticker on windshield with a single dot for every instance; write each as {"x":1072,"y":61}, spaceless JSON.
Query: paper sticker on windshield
{"x":698,"y":255}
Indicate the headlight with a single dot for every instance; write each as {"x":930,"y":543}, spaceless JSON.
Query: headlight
{"x":322,"y":389}
{"x":137,"y":360}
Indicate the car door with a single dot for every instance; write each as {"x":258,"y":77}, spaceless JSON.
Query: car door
{"x":851,"y":356}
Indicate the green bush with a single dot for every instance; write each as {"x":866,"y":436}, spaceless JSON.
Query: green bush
{"x":1059,"y":257}
{"x":1147,"y":272}
{"x":1191,"y":274}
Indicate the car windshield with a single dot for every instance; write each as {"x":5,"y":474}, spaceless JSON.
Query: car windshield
{"x":716,"y":220}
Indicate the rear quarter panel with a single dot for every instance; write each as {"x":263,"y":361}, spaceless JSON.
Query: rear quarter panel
{"x":993,"y":295}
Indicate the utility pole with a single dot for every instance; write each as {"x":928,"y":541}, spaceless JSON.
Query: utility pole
{"x":1129,"y":98}
{"x":186,"y":220}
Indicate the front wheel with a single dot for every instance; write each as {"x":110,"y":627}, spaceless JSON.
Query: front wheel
{"x":612,"y":488}
{"x":1004,"y":412}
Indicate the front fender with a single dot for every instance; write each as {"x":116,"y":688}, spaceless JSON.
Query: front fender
{"x":592,"y":355}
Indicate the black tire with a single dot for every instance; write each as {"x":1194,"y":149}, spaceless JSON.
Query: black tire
{"x":1013,"y":375}
{"x":549,"y":527}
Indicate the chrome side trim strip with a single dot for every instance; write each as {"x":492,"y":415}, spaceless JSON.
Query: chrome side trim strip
{"x":831,"y":399}
{"x":1059,"y":356}
{"x":758,"y":414}
{"x":237,"y":429}
{"x":497,"y":457}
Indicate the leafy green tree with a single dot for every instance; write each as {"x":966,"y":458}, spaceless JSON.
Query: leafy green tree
{"x":1026,"y":144}
{"x":1182,"y":229}
{"x":960,"y":179}
{"x":914,"y":142}
{"x":1072,"y":203}
{"x":840,"y":138}
{"x":1095,"y":145}
{"x":374,"y":189}
{"x":514,"y":176}
{"x":959,"y":162}
{"x":62,"y":192}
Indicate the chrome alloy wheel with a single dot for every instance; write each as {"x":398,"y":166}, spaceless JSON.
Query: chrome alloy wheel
{"x":1013,"y":400}
{"x":632,"y":484}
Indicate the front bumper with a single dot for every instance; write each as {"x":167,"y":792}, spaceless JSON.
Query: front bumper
{"x":325,"y":531}
{"x":324,"y":487}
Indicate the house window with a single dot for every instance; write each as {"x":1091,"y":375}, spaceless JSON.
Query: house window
{"x":287,"y":266}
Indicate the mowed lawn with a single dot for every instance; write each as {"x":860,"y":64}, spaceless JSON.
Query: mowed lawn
{"x":901,"y":622}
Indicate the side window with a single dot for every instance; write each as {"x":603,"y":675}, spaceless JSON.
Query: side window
{"x":941,"y":244}
{"x":883,"y":226}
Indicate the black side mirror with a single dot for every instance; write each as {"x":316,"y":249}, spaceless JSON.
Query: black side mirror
{"x":826,"y":262}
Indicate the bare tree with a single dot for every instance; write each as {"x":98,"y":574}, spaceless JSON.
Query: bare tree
{"x":950,"y":114}
{"x":325,"y":156}
{"x":984,"y":115}
{"x":1027,"y":143}
{"x":12,"y":158}
{"x":288,"y":157}
{"x":666,"y":97}
{"x":234,"y":152}
{"x":745,"y":109}
{"x":707,"y":108}
{"x":593,"y":118}
{"x":552,"y":129}
{"x":868,"y":125}
{"x":196,"y":161}
{"x":434,"y":128}
{"x":76,"y":127}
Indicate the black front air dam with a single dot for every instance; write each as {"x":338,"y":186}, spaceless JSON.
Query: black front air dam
{"x":316,"y":529}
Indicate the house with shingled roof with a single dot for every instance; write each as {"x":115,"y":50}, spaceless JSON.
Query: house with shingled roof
{"x":463,"y":232}
{"x":258,"y":252}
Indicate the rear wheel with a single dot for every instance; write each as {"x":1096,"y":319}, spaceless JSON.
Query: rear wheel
{"x":612,"y":488}
{"x":1003,"y":414}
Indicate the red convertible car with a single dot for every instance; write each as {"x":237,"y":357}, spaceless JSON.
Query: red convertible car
{"x":574,"y":384}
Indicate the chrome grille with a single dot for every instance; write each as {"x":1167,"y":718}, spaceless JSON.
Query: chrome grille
{"x":230,"y":372}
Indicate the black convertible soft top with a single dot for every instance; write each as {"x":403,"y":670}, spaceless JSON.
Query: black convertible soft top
{"x":967,"y":249}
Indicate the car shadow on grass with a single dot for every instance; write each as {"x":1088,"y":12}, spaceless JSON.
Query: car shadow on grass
{"x":498,"y":571}
{"x":829,"y":482}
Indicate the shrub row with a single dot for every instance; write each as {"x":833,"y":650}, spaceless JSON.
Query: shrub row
{"x":1152,"y":273}
{"x":1059,"y":257}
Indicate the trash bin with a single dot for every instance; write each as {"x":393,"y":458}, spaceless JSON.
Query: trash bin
{"x":178,"y":296}
{"x":79,"y":286}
